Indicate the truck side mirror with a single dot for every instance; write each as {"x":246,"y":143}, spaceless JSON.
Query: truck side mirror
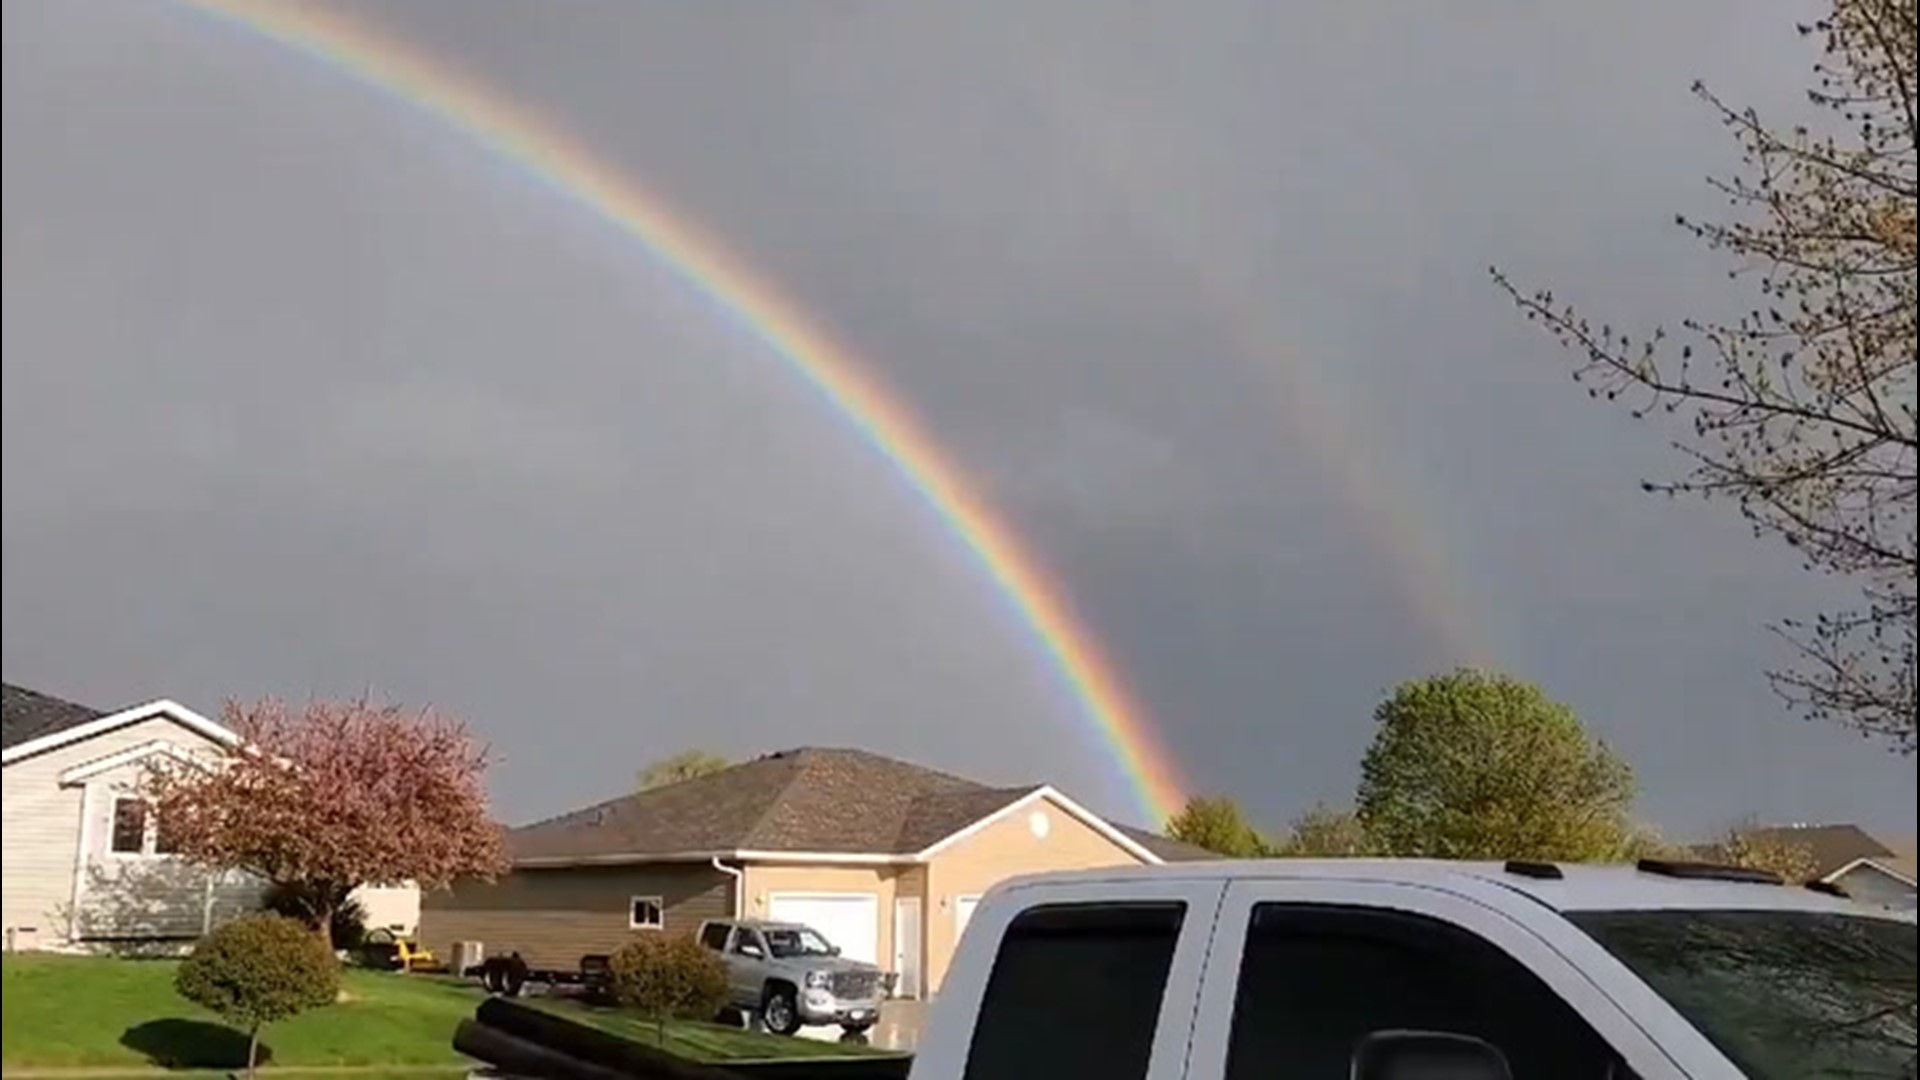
{"x":1427,"y":1055}
{"x":748,"y":948}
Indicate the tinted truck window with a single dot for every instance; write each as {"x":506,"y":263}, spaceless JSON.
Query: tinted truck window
{"x":1315,"y":981}
{"x":1075,"y":992}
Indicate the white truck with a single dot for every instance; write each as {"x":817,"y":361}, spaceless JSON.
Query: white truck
{"x":1412,"y":970}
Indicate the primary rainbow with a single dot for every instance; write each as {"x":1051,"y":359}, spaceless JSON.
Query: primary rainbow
{"x":887,"y":424}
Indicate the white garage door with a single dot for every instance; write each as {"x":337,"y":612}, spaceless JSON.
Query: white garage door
{"x":849,"y":920}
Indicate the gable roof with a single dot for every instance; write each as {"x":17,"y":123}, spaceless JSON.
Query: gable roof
{"x":26,"y":715}
{"x":47,"y":723}
{"x":1834,"y":848}
{"x":810,"y":801}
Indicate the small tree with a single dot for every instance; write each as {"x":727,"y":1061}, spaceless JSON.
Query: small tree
{"x":668,"y":976}
{"x":686,"y":765}
{"x":333,"y":797}
{"x":258,"y":970}
{"x":1216,"y":824}
{"x":1756,"y":848}
{"x":1327,"y":832}
{"x":1473,"y":765}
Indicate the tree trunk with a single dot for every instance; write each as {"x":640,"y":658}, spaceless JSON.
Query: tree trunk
{"x":253,"y":1050}
{"x":322,"y":921}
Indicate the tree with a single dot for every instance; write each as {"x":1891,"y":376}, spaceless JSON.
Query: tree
{"x":668,"y":976}
{"x":686,"y":765}
{"x":1216,"y":824}
{"x":258,"y":970}
{"x":1327,"y":832}
{"x":1803,"y":410}
{"x":335,"y":796}
{"x":1749,"y":845}
{"x":1473,"y":765}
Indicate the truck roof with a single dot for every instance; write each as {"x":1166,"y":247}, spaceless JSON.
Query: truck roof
{"x":1564,"y":887}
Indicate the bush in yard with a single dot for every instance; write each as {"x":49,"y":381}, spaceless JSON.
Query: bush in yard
{"x":668,"y":976}
{"x":256,"y":970}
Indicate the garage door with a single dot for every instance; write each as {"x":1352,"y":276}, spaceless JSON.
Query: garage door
{"x":849,"y":920}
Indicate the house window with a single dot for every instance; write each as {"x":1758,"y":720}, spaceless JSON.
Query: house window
{"x":166,"y":841}
{"x":645,"y":913}
{"x":129,"y":826}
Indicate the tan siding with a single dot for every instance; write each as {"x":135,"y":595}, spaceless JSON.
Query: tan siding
{"x":765,"y":880}
{"x":42,"y":831}
{"x":1004,"y":849}
{"x":554,"y":917}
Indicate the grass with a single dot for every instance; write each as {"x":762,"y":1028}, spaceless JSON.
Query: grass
{"x":701,"y":1042}
{"x":99,"y":1014}
{"x":96,"y":1013}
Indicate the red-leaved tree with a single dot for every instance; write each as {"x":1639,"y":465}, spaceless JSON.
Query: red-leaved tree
{"x":337,"y":795}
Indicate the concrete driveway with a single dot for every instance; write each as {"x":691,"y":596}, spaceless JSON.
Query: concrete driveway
{"x":898,"y":1029}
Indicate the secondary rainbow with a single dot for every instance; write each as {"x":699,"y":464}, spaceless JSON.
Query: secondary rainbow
{"x":518,"y":134}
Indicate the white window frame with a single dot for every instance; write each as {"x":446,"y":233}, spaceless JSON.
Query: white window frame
{"x":659,"y":906}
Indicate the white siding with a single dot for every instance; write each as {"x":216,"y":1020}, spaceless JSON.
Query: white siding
{"x":119,"y":896}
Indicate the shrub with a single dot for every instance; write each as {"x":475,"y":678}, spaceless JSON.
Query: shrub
{"x":256,"y":970}
{"x":347,"y":923}
{"x":668,"y":976}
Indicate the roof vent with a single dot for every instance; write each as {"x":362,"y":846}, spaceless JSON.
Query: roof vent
{"x":599,"y":815}
{"x":1700,"y":871}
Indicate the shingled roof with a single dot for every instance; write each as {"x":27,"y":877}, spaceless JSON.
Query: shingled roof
{"x":1832,"y":847}
{"x":26,"y":715}
{"x":809,"y":800}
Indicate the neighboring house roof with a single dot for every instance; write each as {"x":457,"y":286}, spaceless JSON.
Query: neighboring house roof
{"x":1835,"y":848}
{"x":35,"y":723}
{"x":814,"y":801}
{"x":28,"y":714}
{"x":1167,"y":847}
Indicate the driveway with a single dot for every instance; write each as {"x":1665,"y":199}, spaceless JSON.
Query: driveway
{"x":898,"y":1029}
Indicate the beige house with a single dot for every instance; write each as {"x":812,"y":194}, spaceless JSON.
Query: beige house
{"x":884,"y":858}
{"x":86,"y":861}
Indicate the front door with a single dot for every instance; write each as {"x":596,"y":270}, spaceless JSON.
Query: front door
{"x":906,"y":946}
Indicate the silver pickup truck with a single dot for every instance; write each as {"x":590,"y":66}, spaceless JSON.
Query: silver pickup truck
{"x":791,"y":976}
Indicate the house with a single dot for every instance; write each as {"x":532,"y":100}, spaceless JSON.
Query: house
{"x":87,"y":863}
{"x":885,"y":858}
{"x":1847,"y":856}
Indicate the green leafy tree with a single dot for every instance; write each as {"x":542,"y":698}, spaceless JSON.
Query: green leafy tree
{"x":1803,"y":410}
{"x":258,"y":970}
{"x":1216,"y":824}
{"x":1327,"y":832}
{"x":1473,"y":765}
{"x":668,"y":976}
{"x":686,"y":765}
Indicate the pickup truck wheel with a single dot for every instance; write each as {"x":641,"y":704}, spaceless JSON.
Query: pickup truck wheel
{"x":780,"y":1011}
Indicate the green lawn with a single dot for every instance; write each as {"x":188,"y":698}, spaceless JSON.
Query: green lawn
{"x":99,"y":1013}
{"x":701,"y":1042}
{"x":94,"y":1012}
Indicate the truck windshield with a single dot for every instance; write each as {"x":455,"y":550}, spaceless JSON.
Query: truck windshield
{"x":1786,"y":994}
{"x":790,"y":942}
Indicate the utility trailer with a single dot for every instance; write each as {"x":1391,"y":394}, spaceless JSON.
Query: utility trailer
{"x":509,"y":975}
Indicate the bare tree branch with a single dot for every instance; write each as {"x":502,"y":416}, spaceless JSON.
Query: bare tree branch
{"x":1803,"y":409}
